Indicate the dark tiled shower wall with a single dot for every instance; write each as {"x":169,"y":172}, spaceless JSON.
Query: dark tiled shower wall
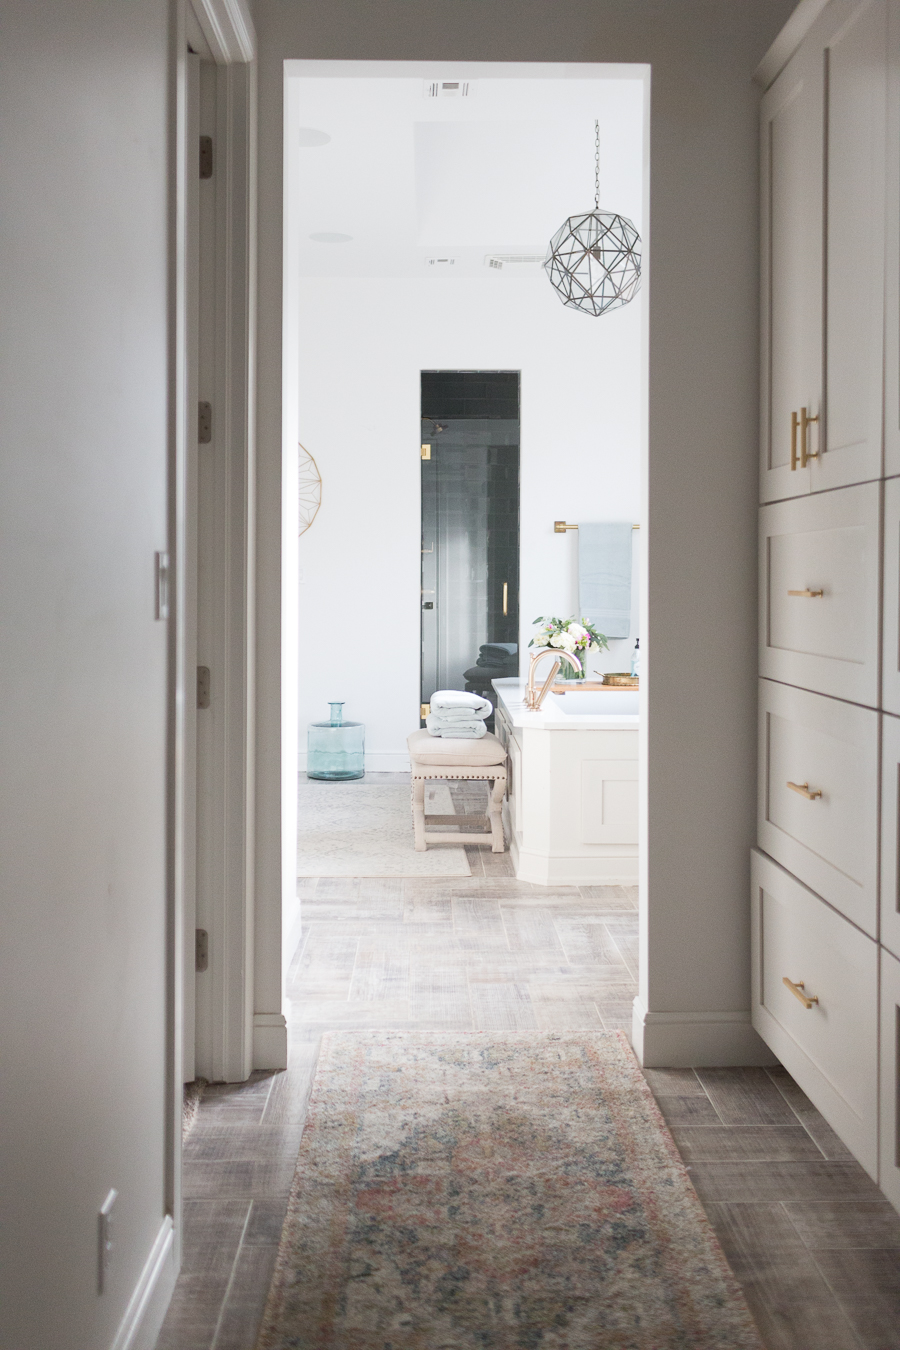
{"x":503,"y":541}
{"x":460,"y":393}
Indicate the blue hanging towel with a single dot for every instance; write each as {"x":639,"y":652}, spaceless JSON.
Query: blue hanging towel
{"x":604,"y":577}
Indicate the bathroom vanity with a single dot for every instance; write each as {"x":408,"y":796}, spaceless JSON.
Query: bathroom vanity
{"x":571,"y":812}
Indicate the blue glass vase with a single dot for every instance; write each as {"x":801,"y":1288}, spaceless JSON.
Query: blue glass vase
{"x":336,"y":749}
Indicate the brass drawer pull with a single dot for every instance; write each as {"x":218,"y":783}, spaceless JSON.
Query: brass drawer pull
{"x":805,"y":423}
{"x":793,"y":441}
{"x":804,"y":791}
{"x":809,"y":595}
{"x":797,"y":990}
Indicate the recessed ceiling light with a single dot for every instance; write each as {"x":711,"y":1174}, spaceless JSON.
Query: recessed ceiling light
{"x":331,"y":237}
{"x":309,"y":136}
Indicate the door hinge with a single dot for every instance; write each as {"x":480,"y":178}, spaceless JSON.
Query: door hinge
{"x":201,"y":950}
{"x":206,"y":157}
{"x":426,"y":452}
{"x":204,"y":423}
{"x":203,"y":686}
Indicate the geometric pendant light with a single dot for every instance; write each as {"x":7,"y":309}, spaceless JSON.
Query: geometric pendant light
{"x":310,"y":489}
{"x":594,"y":259}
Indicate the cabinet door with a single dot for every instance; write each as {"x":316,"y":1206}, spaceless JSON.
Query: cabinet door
{"x":891,"y":622}
{"x":889,"y":1151}
{"x":819,"y":592}
{"x":854,"y":66}
{"x":791,"y":233}
{"x":831,"y":1046}
{"x":892,"y":254}
{"x":890,"y":833}
{"x":818,"y":795}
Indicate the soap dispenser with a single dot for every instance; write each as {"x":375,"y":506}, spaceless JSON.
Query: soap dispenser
{"x":636,"y":659}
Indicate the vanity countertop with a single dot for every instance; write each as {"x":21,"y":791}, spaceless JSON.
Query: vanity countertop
{"x":577,"y":710}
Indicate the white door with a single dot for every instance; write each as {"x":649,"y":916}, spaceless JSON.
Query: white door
{"x":854,"y":71}
{"x":890,"y":833}
{"x":791,"y":233}
{"x":889,"y":1152}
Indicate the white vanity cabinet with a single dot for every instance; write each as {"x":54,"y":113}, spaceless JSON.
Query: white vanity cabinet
{"x":823,"y":226}
{"x":819,"y":592}
{"x":825,"y":891}
{"x":571,"y":812}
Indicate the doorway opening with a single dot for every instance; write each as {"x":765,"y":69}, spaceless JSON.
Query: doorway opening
{"x":470,"y":531}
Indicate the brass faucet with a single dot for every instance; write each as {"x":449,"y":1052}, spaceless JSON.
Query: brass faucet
{"x":533,"y":697}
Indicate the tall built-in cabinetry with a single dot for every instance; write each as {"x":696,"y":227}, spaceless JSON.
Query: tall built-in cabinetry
{"x":826,"y":872}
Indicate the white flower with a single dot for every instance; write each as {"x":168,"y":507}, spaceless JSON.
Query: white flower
{"x":577,"y":631}
{"x":558,"y":640}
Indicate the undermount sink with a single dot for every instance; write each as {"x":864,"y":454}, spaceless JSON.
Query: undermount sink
{"x":577,"y":703}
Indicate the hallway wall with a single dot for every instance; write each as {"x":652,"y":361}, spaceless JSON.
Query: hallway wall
{"x":84,"y":404}
{"x":699,"y":485}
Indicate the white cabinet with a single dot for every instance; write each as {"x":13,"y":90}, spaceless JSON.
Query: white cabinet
{"x":815,"y":1002}
{"x":818,"y":795}
{"x":823,"y":200}
{"x":892,"y":254}
{"x":891,"y":621}
{"x":819,"y":592}
{"x":889,"y":1151}
{"x":890,"y":833}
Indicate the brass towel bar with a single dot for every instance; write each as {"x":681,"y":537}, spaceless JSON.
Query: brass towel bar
{"x":560,"y":527}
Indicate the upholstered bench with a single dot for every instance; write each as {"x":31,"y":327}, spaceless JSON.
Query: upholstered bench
{"x":443,"y":757}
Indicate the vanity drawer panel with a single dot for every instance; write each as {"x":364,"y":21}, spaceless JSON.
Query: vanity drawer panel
{"x":889,"y":1169}
{"x":831,"y":1047}
{"x":829,"y":838}
{"x":890,"y":833}
{"x":819,"y":592}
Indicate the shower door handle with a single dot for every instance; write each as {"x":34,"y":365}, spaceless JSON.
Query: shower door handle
{"x":505,"y":597}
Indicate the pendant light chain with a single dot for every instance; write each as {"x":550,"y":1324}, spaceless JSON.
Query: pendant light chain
{"x":597,"y":166}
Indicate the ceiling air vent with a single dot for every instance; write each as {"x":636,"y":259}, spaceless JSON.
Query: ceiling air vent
{"x":440,"y":264}
{"x":449,"y":88}
{"x":499,"y":261}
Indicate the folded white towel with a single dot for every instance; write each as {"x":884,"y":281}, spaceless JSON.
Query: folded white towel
{"x":472,"y":730}
{"x":450,"y":715}
{"x":453,"y":700}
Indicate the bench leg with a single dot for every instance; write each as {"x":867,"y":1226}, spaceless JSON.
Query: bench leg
{"x":418,"y":807}
{"x":496,"y":808}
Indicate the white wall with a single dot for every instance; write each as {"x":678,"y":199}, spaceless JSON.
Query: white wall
{"x":84,"y":179}
{"x":699,"y":471}
{"x":363,"y":344}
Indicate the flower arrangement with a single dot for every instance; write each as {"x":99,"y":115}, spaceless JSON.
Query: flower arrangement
{"x":569,"y":635}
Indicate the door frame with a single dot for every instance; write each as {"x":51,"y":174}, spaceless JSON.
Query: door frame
{"x":224,"y":30}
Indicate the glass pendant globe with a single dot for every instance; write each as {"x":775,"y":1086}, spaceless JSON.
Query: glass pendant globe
{"x":594,"y":262}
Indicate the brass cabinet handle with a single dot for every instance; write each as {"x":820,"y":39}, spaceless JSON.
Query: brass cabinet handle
{"x":805,"y":423}
{"x":797,"y":990}
{"x":803,"y":789}
{"x":505,"y":596}
{"x":793,"y":441}
{"x":810,"y":595}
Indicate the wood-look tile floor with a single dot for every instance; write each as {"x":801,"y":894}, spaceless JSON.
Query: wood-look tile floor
{"x":809,"y":1236}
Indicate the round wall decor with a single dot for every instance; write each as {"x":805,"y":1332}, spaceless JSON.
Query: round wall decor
{"x":310,"y":489}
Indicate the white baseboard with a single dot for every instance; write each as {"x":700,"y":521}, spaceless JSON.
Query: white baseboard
{"x":702,"y":1040}
{"x":149,"y":1303}
{"x":269,"y":1041}
{"x":377,"y":761}
{"x":542,"y":870}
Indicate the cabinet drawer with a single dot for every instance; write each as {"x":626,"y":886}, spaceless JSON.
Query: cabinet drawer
{"x":890,"y":833}
{"x":819,"y":592}
{"x":831,"y":1048}
{"x":889,"y":1160}
{"x":828,"y":839}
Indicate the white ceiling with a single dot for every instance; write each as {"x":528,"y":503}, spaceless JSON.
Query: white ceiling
{"x":410,"y":178}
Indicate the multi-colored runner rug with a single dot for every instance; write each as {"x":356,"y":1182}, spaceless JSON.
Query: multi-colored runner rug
{"x":481,"y":1191}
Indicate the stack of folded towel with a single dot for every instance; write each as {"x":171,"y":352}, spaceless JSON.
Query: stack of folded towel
{"x":458,"y":716}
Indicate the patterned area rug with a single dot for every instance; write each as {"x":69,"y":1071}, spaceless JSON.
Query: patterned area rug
{"x":366,"y":830}
{"x":512,"y":1191}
